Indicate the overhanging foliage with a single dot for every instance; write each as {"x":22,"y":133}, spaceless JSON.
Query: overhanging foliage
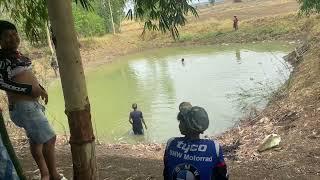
{"x":160,"y":15}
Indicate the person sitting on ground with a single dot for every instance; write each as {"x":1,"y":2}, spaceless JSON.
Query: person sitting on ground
{"x":23,"y":91}
{"x":136,"y":120}
{"x":189,"y":157}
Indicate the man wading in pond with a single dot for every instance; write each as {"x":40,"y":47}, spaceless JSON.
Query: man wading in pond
{"x":136,"y":120}
{"x":189,"y":157}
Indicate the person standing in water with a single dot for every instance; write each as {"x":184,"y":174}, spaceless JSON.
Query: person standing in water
{"x":182,"y":61}
{"x":136,"y":120}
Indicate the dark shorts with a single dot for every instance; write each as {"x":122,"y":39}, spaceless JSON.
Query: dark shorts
{"x":138,"y":131}
{"x":30,"y":116}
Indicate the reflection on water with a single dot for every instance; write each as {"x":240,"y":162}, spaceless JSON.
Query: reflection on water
{"x":158,"y":81}
{"x":238,"y":56}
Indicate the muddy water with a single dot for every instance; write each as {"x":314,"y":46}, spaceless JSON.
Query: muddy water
{"x":158,"y":81}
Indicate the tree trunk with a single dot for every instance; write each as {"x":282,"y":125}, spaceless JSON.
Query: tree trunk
{"x":49,"y":39}
{"x":120,"y":21}
{"x":77,"y":104}
{"x":7,"y":143}
{"x":111,"y":17}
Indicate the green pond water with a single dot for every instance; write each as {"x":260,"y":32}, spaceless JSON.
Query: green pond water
{"x":158,"y":81}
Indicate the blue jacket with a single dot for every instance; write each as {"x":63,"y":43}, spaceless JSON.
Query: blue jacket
{"x":200,"y":159}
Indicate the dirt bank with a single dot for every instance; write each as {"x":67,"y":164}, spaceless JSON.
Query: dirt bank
{"x":293,"y":114}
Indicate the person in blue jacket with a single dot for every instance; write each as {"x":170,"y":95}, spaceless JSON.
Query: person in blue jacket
{"x":190,"y":157}
{"x":136,"y":119}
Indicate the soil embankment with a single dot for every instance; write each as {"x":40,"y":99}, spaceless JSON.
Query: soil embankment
{"x":293,"y":113}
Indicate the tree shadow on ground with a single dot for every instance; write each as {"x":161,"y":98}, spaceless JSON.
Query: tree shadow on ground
{"x":111,"y":167}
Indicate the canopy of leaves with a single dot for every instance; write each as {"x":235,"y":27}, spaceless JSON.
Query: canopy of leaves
{"x":87,"y":23}
{"x":163,"y":15}
{"x":117,"y":6}
{"x":31,"y":15}
{"x":309,"y":6}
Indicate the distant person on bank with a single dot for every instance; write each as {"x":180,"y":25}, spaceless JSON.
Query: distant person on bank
{"x":189,"y":157}
{"x":235,"y":23}
{"x":136,"y":120}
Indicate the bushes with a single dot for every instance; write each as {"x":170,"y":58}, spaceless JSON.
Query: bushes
{"x":88,"y":23}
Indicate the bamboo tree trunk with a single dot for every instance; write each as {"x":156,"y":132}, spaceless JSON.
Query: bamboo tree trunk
{"x":77,"y":104}
{"x":7,"y":143}
{"x":111,"y":17}
{"x":52,"y":51}
{"x":49,"y":39}
{"x":120,"y":22}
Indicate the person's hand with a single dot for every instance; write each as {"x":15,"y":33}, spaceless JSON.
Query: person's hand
{"x":44,"y":96}
{"x":36,"y":91}
{"x":146,"y":126}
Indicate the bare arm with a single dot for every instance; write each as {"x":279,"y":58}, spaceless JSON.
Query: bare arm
{"x":130,"y":119}
{"x":144,"y":123}
{"x":8,"y":85}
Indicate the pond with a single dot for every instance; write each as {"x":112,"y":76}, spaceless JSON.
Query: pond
{"x":158,"y":82}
